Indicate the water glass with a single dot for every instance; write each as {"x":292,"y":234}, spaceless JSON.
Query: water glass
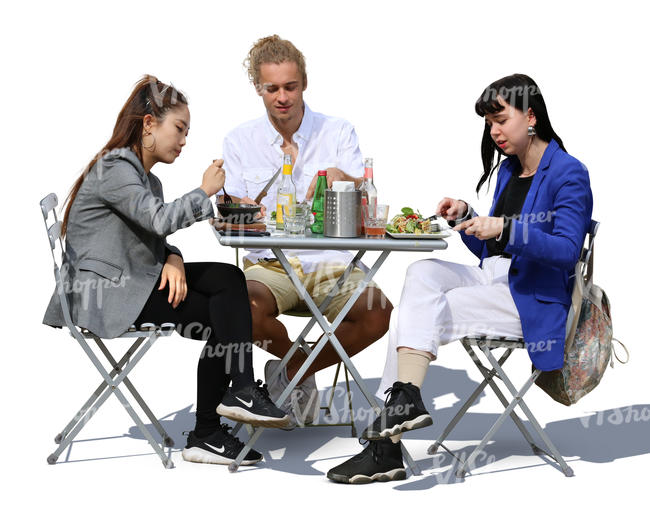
{"x":295,"y":217}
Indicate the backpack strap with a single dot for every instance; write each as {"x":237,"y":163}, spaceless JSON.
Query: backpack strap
{"x":627,"y":353}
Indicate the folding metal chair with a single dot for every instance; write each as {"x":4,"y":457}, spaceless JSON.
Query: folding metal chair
{"x":306,"y":347}
{"x":119,"y":370}
{"x":474,"y":345}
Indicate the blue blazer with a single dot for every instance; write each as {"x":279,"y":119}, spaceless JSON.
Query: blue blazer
{"x":545,"y":244}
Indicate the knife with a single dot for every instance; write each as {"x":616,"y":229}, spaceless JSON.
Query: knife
{"x":262,"y":194}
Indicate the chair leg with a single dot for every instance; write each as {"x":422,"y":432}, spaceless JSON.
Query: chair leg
{"x":489,"y":375}
{"x":112,"y":384}
{"x":462,"y":470}
{"x":80,"y":423}
{"x":166,"y":460}
{"x":353,"y":428}
{"x":484,"y":370}
{"x":487,"y":379}
{"x":328,"y":408}
{"x":433,"y":448}
{"x":555,"y":454}
{"x":167,"y":440}
{"x":504,"y":401}
{"x":93,"y":398}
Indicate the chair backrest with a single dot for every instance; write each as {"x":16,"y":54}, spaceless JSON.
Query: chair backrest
{"x":48,"y":205}
{"x":583,"y":273}
{"x":587,"y":255}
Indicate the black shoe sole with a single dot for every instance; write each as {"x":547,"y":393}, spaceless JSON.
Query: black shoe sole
{"x":397,"y":474}
{"x":421,"y":421}
{"x":239,"y":414}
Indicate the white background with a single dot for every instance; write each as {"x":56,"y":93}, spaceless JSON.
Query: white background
{"x":406,"y":74}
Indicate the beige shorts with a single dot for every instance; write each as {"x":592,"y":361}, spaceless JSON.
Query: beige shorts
{"x":318,"y":284}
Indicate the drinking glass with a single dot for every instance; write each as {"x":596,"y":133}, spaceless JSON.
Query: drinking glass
{"x":375,"y":221}
{"x":295,"y":218}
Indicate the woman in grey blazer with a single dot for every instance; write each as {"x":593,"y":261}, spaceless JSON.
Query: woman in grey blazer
{"x":119,"y":269}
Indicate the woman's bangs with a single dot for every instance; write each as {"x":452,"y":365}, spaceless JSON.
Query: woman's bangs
{"x":488,"y":103}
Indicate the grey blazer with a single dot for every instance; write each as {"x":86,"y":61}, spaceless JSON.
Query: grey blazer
{"x":115,"y":243}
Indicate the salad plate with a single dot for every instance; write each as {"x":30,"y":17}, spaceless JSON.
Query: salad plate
{"x":410,"y":224}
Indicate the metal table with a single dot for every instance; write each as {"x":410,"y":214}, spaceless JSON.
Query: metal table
{"x":277,"y":243}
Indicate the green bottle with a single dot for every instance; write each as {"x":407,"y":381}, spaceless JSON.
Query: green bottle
{"x":318,"y":205}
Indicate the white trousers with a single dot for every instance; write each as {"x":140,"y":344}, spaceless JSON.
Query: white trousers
{"x":443,"y":301}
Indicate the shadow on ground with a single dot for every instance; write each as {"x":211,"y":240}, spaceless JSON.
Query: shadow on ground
{"x":602,"y":437}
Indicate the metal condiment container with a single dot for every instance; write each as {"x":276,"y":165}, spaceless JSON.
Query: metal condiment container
{"x":342,"y":214}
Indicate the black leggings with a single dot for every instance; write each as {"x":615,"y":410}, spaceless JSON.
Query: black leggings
{"x":216,"y":309}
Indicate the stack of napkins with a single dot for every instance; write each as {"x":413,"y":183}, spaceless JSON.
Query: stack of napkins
{"x":342,"y":186}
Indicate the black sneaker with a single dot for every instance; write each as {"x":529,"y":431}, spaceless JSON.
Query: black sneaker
{"x":219,"y":447}
{"x":252,"y":405}
{"x":381,"y":460}
{"x":403,"y":411}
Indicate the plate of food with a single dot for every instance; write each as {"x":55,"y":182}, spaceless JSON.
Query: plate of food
{"x":411,"y":224}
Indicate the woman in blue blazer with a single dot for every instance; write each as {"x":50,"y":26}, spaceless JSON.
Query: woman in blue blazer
{"x":528,"y":246}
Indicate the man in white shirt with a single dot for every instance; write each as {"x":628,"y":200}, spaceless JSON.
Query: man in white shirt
{"x":253,"y":152}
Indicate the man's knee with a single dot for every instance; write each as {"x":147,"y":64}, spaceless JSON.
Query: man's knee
{"x":381,"y":310}
{"x":373,"y":310}
{"x":261,"y":300}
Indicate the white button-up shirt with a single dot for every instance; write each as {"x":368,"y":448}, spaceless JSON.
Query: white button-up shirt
{"x":252,"y":153}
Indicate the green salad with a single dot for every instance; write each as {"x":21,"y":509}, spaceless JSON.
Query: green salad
{"x":410,"y":222}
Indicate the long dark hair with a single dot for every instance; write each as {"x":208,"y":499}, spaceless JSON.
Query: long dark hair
{"x":149,"y":96}
{"x":521,"y":92}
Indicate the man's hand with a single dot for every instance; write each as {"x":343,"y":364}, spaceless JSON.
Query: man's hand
{"x":451,"y":209}
{"x":333,"y":174}
{"x":174,"y":272}
{"x":248,"y":200}
{"x":482,"y":227}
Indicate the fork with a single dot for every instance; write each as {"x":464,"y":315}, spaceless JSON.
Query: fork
{"x":227,"y":199}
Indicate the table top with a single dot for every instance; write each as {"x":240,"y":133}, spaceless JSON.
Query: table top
{"x":319,"y":242}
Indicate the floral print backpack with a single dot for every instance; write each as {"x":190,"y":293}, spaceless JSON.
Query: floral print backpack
{"x":588,"y":348}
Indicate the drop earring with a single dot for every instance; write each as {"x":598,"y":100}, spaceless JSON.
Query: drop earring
{"x":531,"y":131}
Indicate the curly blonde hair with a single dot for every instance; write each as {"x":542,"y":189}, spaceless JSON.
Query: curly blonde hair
{"x":273,"y":49}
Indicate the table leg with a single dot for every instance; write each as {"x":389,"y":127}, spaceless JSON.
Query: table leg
{"x":331,"y":337}
{"x":328,"y":336}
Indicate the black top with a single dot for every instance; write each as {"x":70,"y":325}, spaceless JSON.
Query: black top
{"x":509,"y":207}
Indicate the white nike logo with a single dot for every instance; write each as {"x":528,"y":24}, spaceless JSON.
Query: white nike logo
{"x":247,"y":403}
{"x":217,"y":449}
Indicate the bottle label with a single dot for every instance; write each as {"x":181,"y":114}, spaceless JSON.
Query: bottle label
{"x":284,"y":199}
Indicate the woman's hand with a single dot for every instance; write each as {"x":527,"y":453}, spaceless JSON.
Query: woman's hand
{"x":174,"y":272}
{"x":482,"y":227}
{"x":451,"y":209}
{"x":214,"y":178}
